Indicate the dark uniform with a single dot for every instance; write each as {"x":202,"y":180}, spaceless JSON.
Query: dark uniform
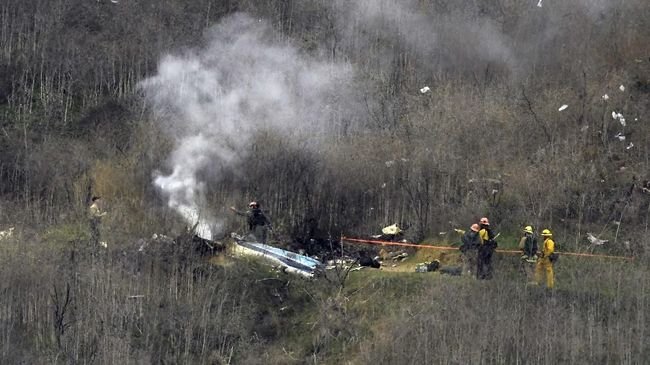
{"x":258,"y":222}
{"x":528,"y":247}
{"x":469,"y":249}
{"x":485,"y":251}
{"x":95,"y":218}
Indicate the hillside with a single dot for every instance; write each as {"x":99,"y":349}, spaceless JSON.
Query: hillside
{"x":339,"y":118}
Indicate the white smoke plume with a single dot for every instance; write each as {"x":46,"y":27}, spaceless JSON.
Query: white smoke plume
{"x":451,"y":38}
{"x":214,"y":100}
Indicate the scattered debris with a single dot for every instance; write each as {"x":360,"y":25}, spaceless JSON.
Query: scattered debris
{"x":584,"y":128}
{"x":427,"y":266}
{"x":622,"y":88}
{"x":629,"y":146}
{"x":605,"y":97}
{"x":339,"y":263}
{"x":395,"y":255}
{"x":135,"y":296}
{"x":7,"y":233}
{"x":619,"y":117}
{"x":389,"y":163}
{"x":370,"y":262}
{"x":103,"y":244}
{"x":425,"y":89}
{"x":620,"y":136}
{"x":616,"y":115}
{"x":595,"y":241}
{"x":563,"y":107}
{"x":291,"y":261}
{"x":187,"y":242}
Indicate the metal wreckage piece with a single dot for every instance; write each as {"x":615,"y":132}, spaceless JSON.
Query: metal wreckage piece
{"x":290,"y":261}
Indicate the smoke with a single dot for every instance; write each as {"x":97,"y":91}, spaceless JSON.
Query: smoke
{"x":437,"y":39}
{"x":214,"y":100}
{"x":465,"y":36}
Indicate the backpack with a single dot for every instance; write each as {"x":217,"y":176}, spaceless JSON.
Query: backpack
{"x":530,"y":246}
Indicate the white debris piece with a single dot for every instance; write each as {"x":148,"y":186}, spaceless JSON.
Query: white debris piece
{"x":103,"y":244}
{"x":620,"y":136}
{"x":539,"y":4}
{"x":563,"y":107}
{"x":424,"y":89}
{"x":595,"y":241}
{"x":619,"y":117}
{"x":622,"y":88}
{"x":629,"y":146}
{"x":7,"y":233}
{"x":605,"y":97}
{"x":383,"y":185}
{"x":585,"y":128}
{"x":389,"y":163}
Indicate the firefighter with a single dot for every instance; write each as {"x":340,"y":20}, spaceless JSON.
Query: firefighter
{"x":528,"y":247}
{"x":95,"y":215}
{"x":544,"y":263}
{"x":469,"y":249}
{"x":486,"y":250}
{"x":258,"y":223}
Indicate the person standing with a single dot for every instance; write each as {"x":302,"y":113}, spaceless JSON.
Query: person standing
{"x":258,"y":223}
{"x":544,"y":263}
{"x":95,"y":215}
{"x":528,"y":247}
{"x":469,"y":249}
{"x":486,"y":250}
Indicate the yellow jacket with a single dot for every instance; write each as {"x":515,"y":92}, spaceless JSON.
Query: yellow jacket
{"x":483,"y":233}
{"x":549,"y":247}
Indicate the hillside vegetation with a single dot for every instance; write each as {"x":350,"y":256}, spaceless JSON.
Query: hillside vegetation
{"x":340,"y":118}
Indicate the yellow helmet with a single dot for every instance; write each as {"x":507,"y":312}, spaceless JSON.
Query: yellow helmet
{"x":528,"y":229}
{"x":546,"y":233}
